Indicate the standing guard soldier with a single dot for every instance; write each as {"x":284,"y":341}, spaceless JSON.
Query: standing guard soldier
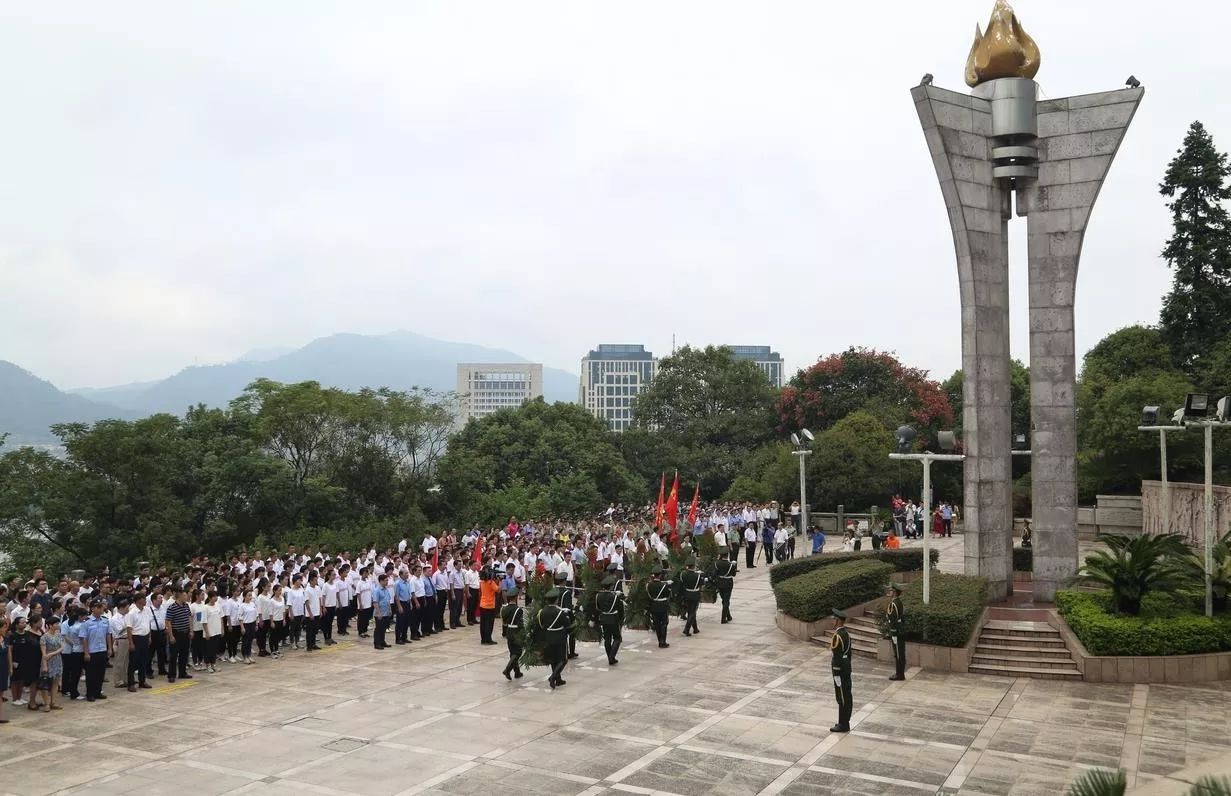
{"x":690,"y":584}
{"x":610,"y":613}
{"x":553,"y":622}
{"x":896,"y":619}
{"x":659,"y":592}
{"x":512,"y":618}
{"x":840,"y":665}
{"x":725,"y":570}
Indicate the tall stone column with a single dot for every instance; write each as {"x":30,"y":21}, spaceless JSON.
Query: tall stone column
{"x":958,"y":129}
{"x":1078,"y":138}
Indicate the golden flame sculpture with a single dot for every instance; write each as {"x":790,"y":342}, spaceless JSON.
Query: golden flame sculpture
{"x":1005,"y":50}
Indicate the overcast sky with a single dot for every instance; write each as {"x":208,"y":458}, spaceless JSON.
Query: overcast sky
{"x":183,"y":185}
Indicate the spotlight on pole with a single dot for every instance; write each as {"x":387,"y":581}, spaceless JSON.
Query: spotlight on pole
{"x":807,"y":434}
{"x":794,"y":439}
{"x":947,"y":440}
{"x":1149,"y":415}
{"x":1223,"y":409}
{"x":906,"y":435}
{"x":1196,"y":405}
{"x":1178,"y":417}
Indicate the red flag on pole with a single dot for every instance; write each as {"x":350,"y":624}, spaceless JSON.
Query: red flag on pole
{"x":435,"y":558}
{"x":478,"y":551}
{"x":692,"y":510}
{"x":673,"y":503}
{"x":658,"y":514}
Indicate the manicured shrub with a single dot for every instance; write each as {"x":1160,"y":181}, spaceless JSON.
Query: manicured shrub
{"x":812,"y":595}
{"x":1089,"y":616}
{"x":950,"y":618}
{"x":910,"y":560}
{"x":1023,"y":559}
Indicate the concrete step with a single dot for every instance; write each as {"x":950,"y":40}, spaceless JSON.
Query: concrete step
{"x":1049,"y":642}
{"x":1022,"y":649}
{"x":1000,"y":670}
{"x":1023,"y":629}
{"x":1030,"y":661}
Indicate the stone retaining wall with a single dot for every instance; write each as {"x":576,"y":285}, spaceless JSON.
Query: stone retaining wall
{"x":1201,"y":668}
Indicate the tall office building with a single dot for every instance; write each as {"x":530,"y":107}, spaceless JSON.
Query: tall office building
{"x":770,"y":362}
{"x":483,"y":388}
{"x":611,"y":377}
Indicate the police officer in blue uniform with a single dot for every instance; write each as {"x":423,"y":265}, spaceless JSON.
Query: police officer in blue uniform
{"x":96,"y":642}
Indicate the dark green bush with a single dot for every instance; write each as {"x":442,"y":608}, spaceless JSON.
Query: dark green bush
{"x":902,"y":560}
{"x":951,"y":616}
{"x":1089,"y":616}
{"x":1023,"y":559}
{"x":813,"y":595}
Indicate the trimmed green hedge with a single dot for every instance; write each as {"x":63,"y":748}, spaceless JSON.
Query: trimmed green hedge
{"x":950,"y":618}
{"x":1023,"y":559}
{"x":813,"y":595}
{"x":910,"y":560}
{"x":1089,"y":616}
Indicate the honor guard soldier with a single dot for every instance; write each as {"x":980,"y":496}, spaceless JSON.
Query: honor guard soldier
{"x":690,"y":585}
{"x":609,"y":605}
{"x":554,"y":622}
{"x":725,"y":570}
{"x":840,"y":665}
{"x":659,"y":592}
{"x":896,"y":619}
{"x":566,"y":602}
{"x":512,"y":619}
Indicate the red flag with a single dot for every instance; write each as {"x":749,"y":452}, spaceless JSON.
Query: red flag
{"x":478,"y":551}
{"x":692,"y":510}
{"x":435,"y":558}
{"x":658,"y":515}
{"x":673,"y":503}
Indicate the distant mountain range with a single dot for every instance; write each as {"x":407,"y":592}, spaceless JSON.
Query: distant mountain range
{"x":28,"y":405}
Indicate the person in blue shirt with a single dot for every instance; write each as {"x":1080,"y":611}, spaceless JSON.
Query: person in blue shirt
{"x":818,"y":541}
{"x":508,"y":582}
{"x":403,"y":593}
{"x":95,"y":636}
{"x":382,"y":610}
{"x":428,"y":609}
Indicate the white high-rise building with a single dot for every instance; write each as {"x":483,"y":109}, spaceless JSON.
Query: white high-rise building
{"x":770,"y":362}
{"x":483,"y":388}
{"x":612,"y":375}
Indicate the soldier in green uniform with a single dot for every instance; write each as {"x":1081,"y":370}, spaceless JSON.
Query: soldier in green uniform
{"x":566,"y":602}
{"x":896,"y":619}
{"x":659,"y":592}
{"x":609,"y":608}
{"x":840,"y":665}
{"x":512,"y":618}
{"x":725,"y":570}
{"x":690,"y":585}
{"x":554,"y":622}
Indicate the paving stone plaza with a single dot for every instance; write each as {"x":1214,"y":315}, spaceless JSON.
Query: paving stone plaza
{"x":740,"y":709}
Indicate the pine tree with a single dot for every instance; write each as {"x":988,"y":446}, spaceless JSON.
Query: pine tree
{"x":1196,"y":313}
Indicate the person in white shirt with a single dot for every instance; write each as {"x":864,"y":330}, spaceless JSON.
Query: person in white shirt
{"x":196,"y":607}
{"x":212,"y":615}
{"x":276,"y":605}
{"x":329,"y":595}
{"x":720,"y":538}
{"x":780,"y":537}
{"x":263,"y":615}
{"x":420,"y":625}
{"x":247,"y":620}
{"x":119,"y":637}
{"x":342,"y":588}
{"x":296,"y":599}
{"x":363,"y":587}
{"x":750,"y":544}
{"x":429,"y":543}
{"x":402,"y":545}
{"x":235,"y":628}
{"x":137,"y":629}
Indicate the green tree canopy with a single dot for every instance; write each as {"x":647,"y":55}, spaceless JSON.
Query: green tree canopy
{"x":1196,"y":313}
{"x":710,"y":410}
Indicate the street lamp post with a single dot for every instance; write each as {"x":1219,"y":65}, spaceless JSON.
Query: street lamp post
{"x":802,"y":450}
{"x":1197,"y":407}
{"x":1149,"y":422}
{"x":905,"y":435}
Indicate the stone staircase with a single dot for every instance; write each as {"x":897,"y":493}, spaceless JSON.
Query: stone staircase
{"x":865,"y":635}
{"x":1009,"y":648}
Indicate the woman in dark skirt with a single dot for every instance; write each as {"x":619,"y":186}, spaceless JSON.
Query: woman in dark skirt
{"x":27,"y":657}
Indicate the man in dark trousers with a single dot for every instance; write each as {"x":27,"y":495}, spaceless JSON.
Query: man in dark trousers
{"x":896,"y":619}
{"x":96,"y":642}
{"x":609,"y":605}
{"x":553,"y":623}
{"x":690,"y":593}
{"x":840,"y":667}
{"x":512,"y":619}
{"x":725,"y":570}
{"x":659,"y":592}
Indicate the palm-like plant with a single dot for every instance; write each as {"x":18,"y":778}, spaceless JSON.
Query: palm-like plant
{"x":1100,"y":782}
{"x":1133,"y":566}
{"x":1220,"y":576}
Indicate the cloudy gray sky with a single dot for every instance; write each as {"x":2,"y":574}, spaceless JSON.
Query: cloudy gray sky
{"x":184,"y":183}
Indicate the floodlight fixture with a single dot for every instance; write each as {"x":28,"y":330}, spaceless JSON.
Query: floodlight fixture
{"x":1019,"y":442}
{"x":1178,"y":417}
{"x":906,"y":435}
{"x":794,"y":439}
{"x":807,"y":434}
{"x":1222,"y":410}
{"x":1149,"y":415}
{"x":1196,"y":404}
{"x":1132,"y":82}
{"x":947,"y":440}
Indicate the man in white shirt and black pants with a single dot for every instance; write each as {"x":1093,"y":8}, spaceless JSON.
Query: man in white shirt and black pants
{"x":137,"y":629}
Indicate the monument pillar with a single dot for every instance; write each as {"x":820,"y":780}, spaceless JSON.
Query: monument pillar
{"x":1078,"y":139}
{"x":988,"y":148}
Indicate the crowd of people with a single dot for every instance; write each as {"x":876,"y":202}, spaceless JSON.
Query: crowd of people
{"x":64,"y":638}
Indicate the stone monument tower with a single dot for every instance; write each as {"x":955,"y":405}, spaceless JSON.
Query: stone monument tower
{"x":997,"y":149}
